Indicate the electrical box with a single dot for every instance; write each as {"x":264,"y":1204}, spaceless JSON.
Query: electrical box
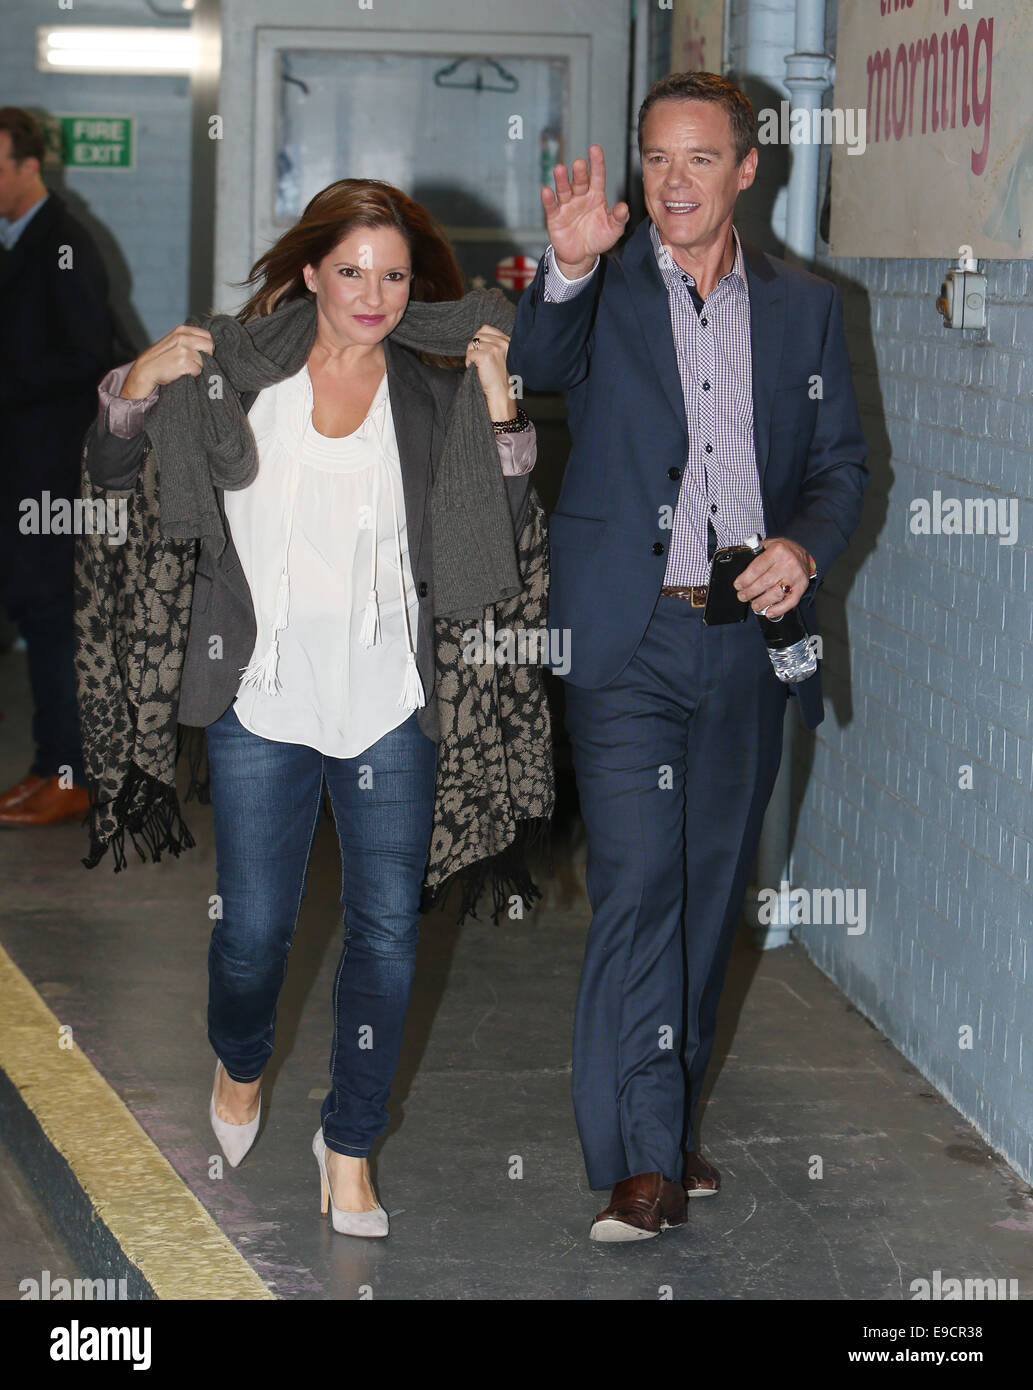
{"x":962,"y":298}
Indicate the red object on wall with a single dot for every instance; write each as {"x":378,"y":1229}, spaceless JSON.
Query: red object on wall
{"x":516,"y":272}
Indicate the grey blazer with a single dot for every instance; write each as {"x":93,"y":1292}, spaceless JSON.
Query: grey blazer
{"x":421,"y":397}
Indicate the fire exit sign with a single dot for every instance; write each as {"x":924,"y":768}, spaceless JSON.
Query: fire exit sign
{"x":90,"y":142}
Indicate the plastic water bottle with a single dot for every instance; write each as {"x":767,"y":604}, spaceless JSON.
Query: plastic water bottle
{"x":791,"y":655}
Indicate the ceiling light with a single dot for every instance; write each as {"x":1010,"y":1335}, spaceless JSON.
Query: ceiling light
{"x":105,"y":49}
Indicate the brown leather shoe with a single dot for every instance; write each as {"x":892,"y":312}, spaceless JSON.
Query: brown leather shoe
{"x":700,"y":1178}
{"x":641,"y":1207}
{"x":29,"y":783}
{"x":49,"y":804}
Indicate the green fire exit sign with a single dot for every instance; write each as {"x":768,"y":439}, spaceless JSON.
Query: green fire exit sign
{"x":90,"y":142}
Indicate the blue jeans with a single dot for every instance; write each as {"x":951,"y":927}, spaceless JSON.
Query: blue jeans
{"x":266,"y":798}
{"x":49,"y":637}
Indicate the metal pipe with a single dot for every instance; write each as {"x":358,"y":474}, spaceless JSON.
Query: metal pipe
{"x":808,"y":74}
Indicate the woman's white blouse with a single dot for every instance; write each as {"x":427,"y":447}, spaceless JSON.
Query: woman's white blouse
{"x":304,"y":531}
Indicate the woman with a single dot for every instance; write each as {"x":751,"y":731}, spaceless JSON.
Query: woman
{"x":311,"y":628}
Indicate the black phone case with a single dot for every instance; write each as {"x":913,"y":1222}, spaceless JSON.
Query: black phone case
{"x":723,"y":603}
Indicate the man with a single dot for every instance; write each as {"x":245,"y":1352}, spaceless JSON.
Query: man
{"x":709,"y":397}
{"x":55,"y":345}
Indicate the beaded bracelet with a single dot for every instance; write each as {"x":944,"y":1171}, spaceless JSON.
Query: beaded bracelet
{"x":517,"y":425}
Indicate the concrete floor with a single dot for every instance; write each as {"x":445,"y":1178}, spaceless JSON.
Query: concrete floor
{"x":907,"y":1187}
{"x":30,"y":1244}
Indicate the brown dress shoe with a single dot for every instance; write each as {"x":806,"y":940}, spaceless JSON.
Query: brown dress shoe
{"x":699,"y":1178}
{"x":48,"y":804}
{"x":641,"y":1207}
{"x":20,"y":791}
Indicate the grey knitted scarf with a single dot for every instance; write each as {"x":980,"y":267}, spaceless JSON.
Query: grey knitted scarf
{"x":200,"y":423}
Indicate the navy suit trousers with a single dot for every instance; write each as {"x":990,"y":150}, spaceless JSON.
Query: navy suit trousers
{"x":675,"y":761}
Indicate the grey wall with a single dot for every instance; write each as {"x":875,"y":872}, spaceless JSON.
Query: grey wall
{"x":140,"y":217}
{"x":928,"y":669}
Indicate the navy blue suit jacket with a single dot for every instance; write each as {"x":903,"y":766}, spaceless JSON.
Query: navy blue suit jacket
{"x":611,"y":348}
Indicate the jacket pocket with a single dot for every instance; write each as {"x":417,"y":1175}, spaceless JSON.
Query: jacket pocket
{"x":569,"y":532}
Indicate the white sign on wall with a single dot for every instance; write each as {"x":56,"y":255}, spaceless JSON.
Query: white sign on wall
{"x":948,"y":160}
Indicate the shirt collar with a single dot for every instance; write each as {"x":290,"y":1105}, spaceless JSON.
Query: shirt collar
{"x":672,"y":272}
{"x":11,"y":231}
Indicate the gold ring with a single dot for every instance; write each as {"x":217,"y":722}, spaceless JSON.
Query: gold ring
{"x":786,"y":588}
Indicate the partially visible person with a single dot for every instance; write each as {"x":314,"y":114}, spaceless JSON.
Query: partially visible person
{"x":55,"y":345}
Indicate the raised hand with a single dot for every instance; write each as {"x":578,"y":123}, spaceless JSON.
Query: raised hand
{"x":486,"y":352}
{"x":580,"y":223}
{"x":177,"y":354}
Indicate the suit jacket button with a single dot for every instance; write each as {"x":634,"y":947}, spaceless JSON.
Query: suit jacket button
{"x":422,"y":588}
{"x":674,"y":474}
{"x":658,"y":547}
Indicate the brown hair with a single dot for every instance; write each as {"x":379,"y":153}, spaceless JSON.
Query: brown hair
{"x":706,"y":86}
{"x":327,"y":219}
{"x":27,"y":139}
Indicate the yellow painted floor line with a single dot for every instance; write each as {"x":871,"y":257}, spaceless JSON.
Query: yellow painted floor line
{"x":158,"y":1222}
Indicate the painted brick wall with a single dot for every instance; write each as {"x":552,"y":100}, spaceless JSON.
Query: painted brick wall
{"x":928,"y":667}
{"x":140,"y":217}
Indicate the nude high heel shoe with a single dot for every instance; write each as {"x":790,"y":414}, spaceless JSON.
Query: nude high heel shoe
{"x":234,"y":1140}
{"x":347,"y":1223}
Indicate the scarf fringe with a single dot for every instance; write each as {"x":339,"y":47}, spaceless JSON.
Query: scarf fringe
{"x":507,"y":873}
{"x":154,"y":828}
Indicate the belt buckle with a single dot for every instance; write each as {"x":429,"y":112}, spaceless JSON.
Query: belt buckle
{"x":698,"y":596}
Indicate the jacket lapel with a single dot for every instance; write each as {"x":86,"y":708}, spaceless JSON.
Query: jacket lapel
{"x":767,"y":330}
{"x":651,"y":303}
{"x":412,"y":411}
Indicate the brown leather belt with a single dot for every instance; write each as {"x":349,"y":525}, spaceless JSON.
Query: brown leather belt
{"x":696,"y":594}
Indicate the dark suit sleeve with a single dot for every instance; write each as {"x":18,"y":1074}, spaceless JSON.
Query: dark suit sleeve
{"x":830,"y":500}
{"x":80,"y":340}
{"x":549,"y":345}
